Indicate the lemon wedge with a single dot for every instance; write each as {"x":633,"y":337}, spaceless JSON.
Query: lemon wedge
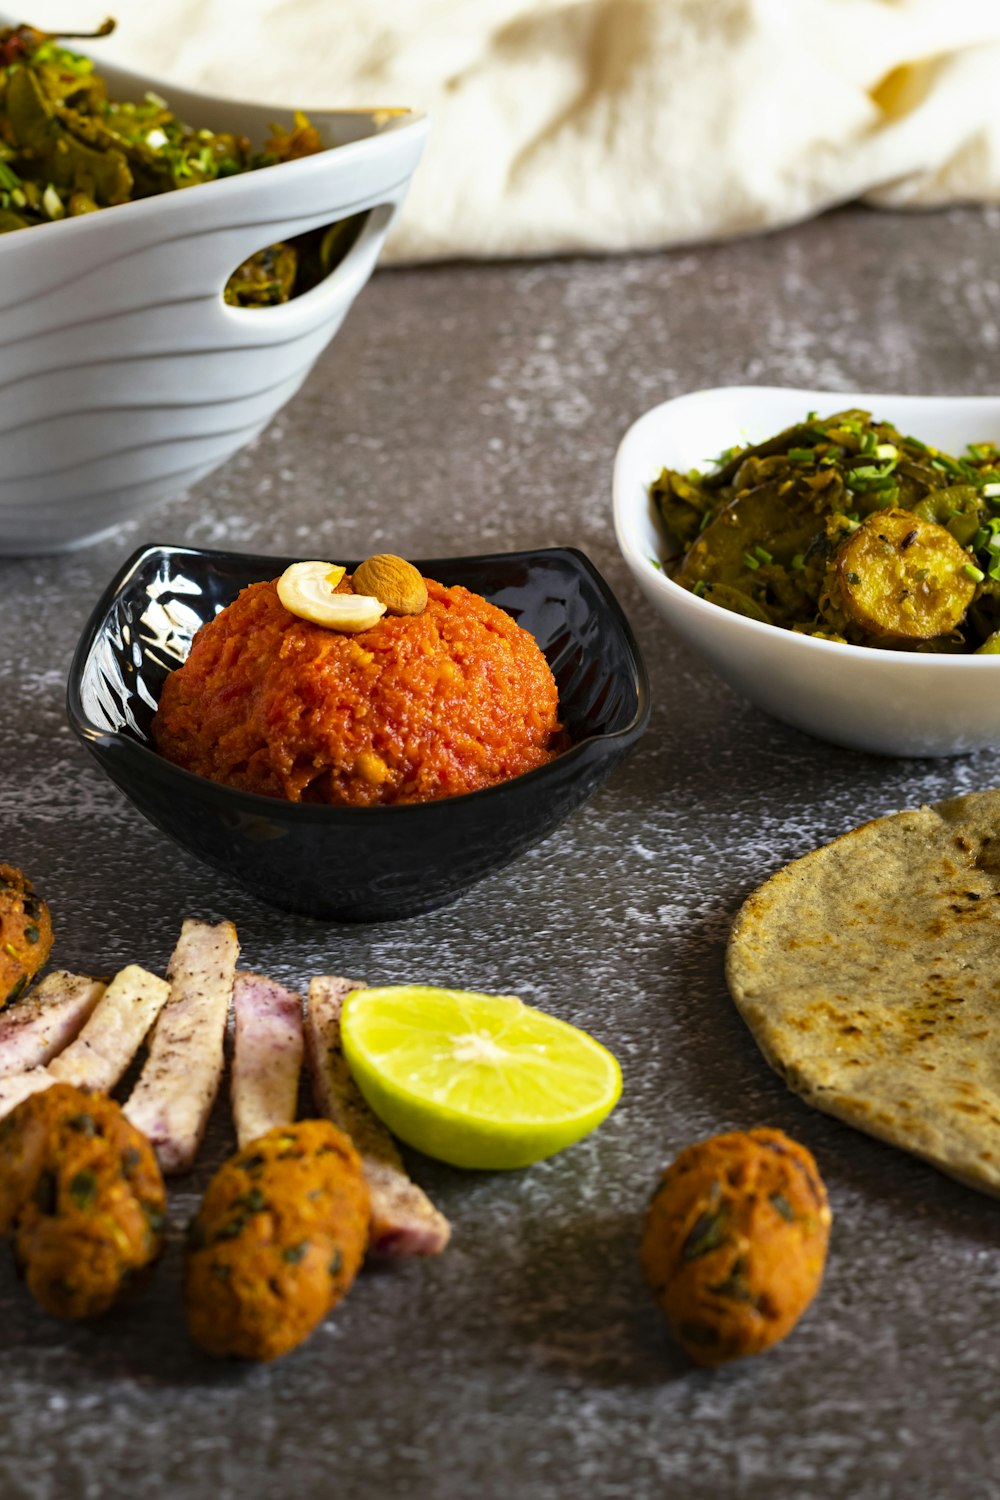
{"x":309,"y":590}
{"x":476,"y":1080}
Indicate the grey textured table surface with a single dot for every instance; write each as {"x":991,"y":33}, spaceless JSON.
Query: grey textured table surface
{"x":474,"y":409}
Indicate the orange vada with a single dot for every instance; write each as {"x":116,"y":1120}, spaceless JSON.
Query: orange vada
{"x":25,"y":933}
{"x":82,"y":1195}
{"x":735,"y":1243}
{"x":278,"y":1240}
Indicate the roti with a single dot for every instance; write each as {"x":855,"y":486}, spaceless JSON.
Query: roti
{"x":869,"y":973}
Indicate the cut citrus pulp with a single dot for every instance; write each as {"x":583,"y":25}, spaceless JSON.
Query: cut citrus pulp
{"x":476,"y":1080}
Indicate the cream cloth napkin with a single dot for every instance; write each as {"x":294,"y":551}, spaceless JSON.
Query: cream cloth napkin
{"x":608,"y":125}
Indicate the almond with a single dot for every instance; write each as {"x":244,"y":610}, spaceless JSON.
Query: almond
{"x":393,"y":580}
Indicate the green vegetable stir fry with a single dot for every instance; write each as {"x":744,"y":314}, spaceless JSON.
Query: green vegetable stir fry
{"x":66,"y":149}
{"x":843,"y":528}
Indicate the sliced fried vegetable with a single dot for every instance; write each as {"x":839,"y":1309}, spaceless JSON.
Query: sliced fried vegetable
{"x":803,"y":435}
{"x":67,"y":148}
{"x":957,"y":507}
{"x":265,"y":280}
{"x":765,"y":532}
{"x":734,"y":599}
{"x":55,"y":152}
{"x":901,"y":577}
{"x":781,"y":522}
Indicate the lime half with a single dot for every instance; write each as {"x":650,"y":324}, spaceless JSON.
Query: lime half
{"x":476,"y":1080}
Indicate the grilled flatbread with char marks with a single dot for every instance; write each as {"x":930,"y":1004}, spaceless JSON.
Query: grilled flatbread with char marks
{"x":868,"y":972}
{"x":173,"y":1098}
{"x":267,"y":1056}
{"x":404,"y":1220}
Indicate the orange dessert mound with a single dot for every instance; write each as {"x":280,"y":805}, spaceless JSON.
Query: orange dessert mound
{"x":414,"y":709}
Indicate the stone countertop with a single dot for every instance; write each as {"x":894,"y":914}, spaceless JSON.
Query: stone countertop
{"x":466,"y":409}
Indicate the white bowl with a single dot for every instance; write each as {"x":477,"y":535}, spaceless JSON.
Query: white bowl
{"x":890,"y":702}
{"x":125,"y":377}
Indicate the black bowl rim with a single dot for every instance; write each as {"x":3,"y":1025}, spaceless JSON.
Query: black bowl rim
{"x":253,"y":803}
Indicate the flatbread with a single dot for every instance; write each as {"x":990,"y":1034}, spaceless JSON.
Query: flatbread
{"x":869,"y":973}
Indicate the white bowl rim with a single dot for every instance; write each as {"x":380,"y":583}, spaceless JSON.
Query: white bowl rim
{"x":659,"y":579}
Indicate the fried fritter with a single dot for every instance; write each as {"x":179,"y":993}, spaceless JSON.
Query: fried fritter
{"x":735,"y":1243}
{"x":25,"y":933}
{"x":83,"y":1196}
{"x":278,"y":1239}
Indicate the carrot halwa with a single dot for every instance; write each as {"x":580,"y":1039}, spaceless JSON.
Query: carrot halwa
{"x":412,"y":710}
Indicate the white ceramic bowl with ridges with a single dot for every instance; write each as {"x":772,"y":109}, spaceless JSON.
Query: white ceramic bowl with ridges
{"x":124,"y":376}
{"x":890,"y":702}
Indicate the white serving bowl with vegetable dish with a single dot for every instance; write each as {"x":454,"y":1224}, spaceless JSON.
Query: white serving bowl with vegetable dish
{"x":872,"y":618}
{"x":127,"y":371}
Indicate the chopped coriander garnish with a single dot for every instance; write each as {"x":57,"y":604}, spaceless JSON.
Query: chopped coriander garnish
{"x":724,"y":457}
{"x":871,"y":476}
{"x":82,"y":1189}
{"x":74,"y":150}
{"x":656,"y":564}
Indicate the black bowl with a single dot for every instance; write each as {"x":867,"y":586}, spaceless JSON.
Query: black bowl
{"x":352,"y":864}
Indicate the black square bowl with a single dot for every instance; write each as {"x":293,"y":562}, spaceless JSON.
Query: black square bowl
{"x":349,"y":864}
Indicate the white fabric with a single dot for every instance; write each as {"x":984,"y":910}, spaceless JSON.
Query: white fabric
{"x":603,"y":125}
